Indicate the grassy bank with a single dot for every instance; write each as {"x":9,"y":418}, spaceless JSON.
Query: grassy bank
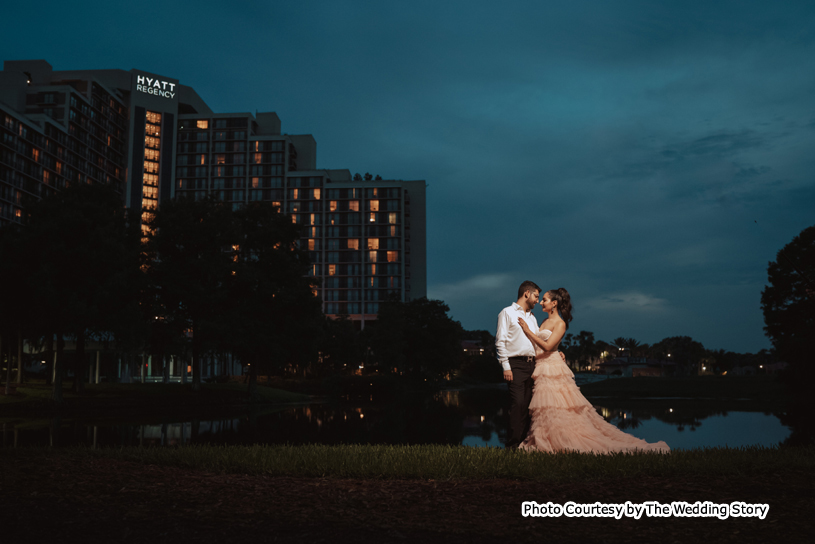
{"x":767,"y":388}
{"x":115,"y":396}
{"x":437,"y":462}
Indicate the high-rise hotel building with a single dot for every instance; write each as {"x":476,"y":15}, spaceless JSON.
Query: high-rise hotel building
{"x":153,"y":138}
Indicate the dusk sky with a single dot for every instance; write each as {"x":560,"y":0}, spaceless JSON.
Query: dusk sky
{"x":651,"y":157}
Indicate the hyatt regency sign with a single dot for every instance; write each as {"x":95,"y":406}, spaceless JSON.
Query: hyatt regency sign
{"x":155,"y":86}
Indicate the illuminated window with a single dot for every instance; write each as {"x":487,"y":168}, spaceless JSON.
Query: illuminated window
{"x":372,"y":256}
{"x":294,"y":219}
{"x":373,"y":243}
{"x":152,"y":130}
{"x":332,"y":206}
{"x":258,"y":158}
{"x":151,"y":179}
{"x":311,"y":246}
{"x":312,"y":219}
{"x":332,"y":269}
{"x":373,"y":273}
{"x":374,"y":204}
{"x":151,"y":167}
{"x":392,"y":218}
{"x":153,"y":117}
{"x":277,"y":204}
{"x":151,"y":154}
{"x":220,"y":159}
{"x":35,"y":154}
{"x":150,"y":192}
{"x":353,"y":243}
{"x":353,"y":205}
{"x":393,"y":256}
{"x":295,"y":193}
{"x":203,"y":124}
{"x":373,"y":217}
{"x":202,"y":159}
{"x":255,"y":183}
{"x":317,"y":194}
{"x":151,"y":142}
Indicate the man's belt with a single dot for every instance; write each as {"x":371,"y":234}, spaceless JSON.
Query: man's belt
{"x":522,"y":359}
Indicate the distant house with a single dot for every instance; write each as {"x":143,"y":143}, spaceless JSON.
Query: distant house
{"x":775,"y":367}
{"x":636,"y":366}
{"x":743,"y":371}
{"x":472,"y":347}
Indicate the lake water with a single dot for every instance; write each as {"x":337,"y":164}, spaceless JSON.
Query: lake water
{"x":472,"y":417}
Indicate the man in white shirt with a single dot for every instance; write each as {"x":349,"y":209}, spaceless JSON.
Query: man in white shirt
{"x":516,"y":353}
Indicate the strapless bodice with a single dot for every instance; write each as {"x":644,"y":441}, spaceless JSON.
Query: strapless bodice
{"x":544,"y":334}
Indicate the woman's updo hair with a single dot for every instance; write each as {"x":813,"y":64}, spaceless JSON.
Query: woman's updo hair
{"x":564,"y":303}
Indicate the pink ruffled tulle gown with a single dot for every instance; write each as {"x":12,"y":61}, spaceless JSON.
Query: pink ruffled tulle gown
{"x":562,"y":418}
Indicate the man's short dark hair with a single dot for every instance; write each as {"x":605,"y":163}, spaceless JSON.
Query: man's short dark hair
{"x":527,"y":286}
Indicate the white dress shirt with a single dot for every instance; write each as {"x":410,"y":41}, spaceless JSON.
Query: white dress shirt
{"x":510,"y":340}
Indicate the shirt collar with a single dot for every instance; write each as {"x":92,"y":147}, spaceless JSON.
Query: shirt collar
{"x":520,"y":309}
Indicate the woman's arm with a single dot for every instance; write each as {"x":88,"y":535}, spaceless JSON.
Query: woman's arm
{"x":554,"y":338}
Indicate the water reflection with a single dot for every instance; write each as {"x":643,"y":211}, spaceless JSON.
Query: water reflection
{"x":473,"y":417}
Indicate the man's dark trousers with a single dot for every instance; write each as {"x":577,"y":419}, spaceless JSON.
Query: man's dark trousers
{"x":520,"y":394}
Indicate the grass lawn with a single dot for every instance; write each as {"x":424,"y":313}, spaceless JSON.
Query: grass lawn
{"x":441,"y":462}
{"x":445,"y":494}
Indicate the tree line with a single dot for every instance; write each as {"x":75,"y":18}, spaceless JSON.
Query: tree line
{"x":201,"y":278}
{"x":197,"y":279}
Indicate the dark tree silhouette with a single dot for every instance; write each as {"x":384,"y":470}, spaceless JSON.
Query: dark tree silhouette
{"x":81,"y":251}
{"x":342,"y":345}
{"x":273,"y":315}
{"x":788,"y":303}
{"x":417,"y":336}
{"x":684,"y":351}
{"x":190,"y":242}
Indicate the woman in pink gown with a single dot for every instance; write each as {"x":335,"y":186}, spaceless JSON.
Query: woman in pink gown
{"x":562,"y":418}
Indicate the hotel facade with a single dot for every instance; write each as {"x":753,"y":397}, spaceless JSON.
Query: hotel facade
{"x":153,"y":138}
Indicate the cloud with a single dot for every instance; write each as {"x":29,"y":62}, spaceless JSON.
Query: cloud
{"x":481,"y":285}
{"x":631,"y":301}
{"x":751,"y":171}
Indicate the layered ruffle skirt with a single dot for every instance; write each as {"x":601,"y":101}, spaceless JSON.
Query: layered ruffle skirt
{"x":563,"y":420}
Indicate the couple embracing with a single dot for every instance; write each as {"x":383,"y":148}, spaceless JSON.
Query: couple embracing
{"x":547,"y":411}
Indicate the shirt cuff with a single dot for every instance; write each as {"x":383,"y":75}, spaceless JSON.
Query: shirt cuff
{"x":505,"y":366}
